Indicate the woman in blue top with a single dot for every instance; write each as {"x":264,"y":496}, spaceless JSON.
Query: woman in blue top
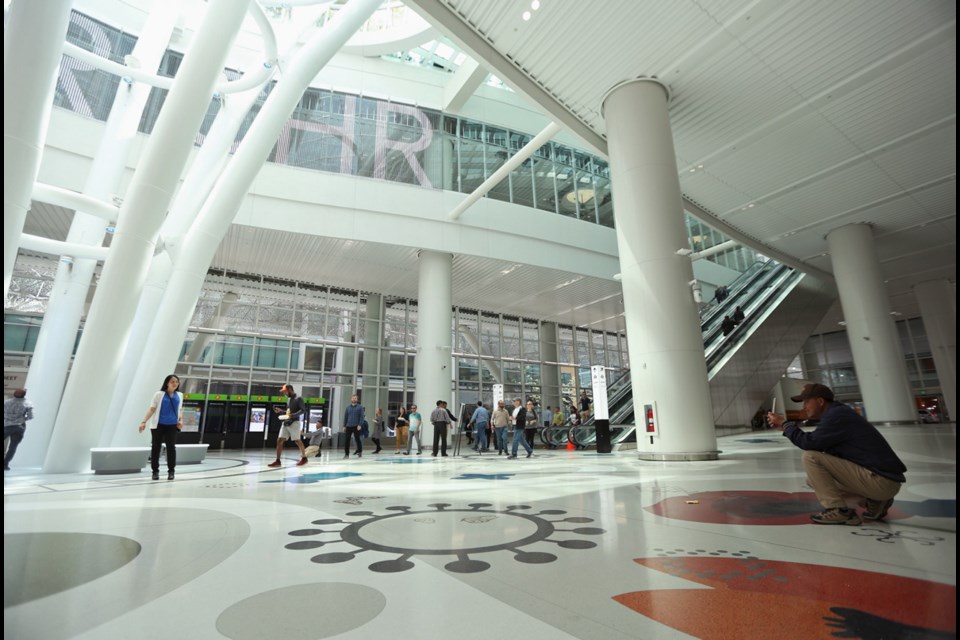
{"x":165,"y":417}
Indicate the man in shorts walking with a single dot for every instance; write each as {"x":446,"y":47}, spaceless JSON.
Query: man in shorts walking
{"x":290,"y":425}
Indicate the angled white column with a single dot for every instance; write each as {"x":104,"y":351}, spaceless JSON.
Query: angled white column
{"x":877,"y":353}
{"x":144,"y":208}
{"x":58,"y":333}
{"x":663,"y":326}
{"x":462,"y":84}
{"x":938,"y":307}
{"x":193,"y":192}
{"x":433,"y":365}
{"x":32,"y":42}
{"x":512,"y":163}
{"x":200,"y":243}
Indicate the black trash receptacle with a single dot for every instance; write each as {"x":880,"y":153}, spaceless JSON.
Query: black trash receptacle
{"x":603,"y":436}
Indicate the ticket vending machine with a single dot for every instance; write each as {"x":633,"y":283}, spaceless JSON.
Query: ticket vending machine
{"x":224,"y":421}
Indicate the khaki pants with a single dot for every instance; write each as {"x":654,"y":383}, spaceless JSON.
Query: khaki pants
{"x":835,"y":480}
{"x":401,"y":433}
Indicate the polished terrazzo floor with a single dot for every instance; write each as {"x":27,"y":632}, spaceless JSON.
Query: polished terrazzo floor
{"x":564,"y":544}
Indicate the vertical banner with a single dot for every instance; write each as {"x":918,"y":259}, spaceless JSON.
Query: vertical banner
{"x":497,"y":394}
{"x":598,"y":379}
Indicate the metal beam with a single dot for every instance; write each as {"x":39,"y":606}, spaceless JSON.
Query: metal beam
{"x":515,"y":161}
{"x":60,"y":248}
{"x":487,"y":55}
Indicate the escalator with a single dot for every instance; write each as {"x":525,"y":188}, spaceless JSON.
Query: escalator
{"x":760,"y":288}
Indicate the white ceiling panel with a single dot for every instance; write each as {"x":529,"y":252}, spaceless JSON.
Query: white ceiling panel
{"x":819,"y":113}
{"x":478,"y":283}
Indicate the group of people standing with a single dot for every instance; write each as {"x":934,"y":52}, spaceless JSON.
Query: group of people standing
{"x":165,"y":419}
{"x":523,"y":421}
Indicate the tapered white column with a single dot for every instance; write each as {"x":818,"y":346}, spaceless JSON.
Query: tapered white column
{"x":195,"y":253}
{"x":938,"y":307}
{"x":663,"y":325}
{"x":432,"y":367}
{"x":32,"y":42}
{"x":58,"y":333}
{"x":194,"y":190}
{"x":146,"y":203}
{"x":877,"y":353}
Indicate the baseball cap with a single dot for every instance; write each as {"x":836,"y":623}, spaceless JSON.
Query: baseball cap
{"x":814,"y":390}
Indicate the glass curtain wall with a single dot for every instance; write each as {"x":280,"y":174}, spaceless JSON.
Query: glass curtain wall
{"x":827,"y":358}
{"x":250,"y":334}
{"x":382,"y":139}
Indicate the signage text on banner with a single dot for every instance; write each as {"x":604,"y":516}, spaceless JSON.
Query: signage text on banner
{"x":598,"y":378}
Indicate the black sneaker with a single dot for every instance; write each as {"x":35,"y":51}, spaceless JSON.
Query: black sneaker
{"x":156,"y":475}
{"x":170,"y":476}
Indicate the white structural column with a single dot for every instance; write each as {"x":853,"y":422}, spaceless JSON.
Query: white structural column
{"x":146,"y":203}
{"x":32,"y":42}
{"x":193,"y":255}
{"x":197,"y":182}
{"x":432,"y":368}
{"x":938,"y":307}
{"x":58,"y":333}
{"x":877,"y":353}
{"x":663,"y":327}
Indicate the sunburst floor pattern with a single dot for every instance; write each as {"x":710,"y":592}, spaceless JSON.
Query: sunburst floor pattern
{"x":409,"y":532}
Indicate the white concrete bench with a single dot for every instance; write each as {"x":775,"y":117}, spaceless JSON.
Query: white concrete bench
{"x":191,"y":453}
{"x":119,"y":459}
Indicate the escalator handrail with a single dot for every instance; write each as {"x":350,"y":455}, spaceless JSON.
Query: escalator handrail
{"x":745,"y":299}
{"x":758,"y":297}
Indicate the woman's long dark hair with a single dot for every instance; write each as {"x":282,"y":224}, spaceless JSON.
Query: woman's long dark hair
{"x":402,"y":411}
{"x":167,"y":379}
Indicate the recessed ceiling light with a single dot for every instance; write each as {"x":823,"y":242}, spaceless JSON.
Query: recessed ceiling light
{"x":535,"y":5}
{"x":526,"y":15}
{"x":750,"y":206}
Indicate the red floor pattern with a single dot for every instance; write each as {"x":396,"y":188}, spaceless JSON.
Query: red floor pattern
{"x":753,"y":598}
